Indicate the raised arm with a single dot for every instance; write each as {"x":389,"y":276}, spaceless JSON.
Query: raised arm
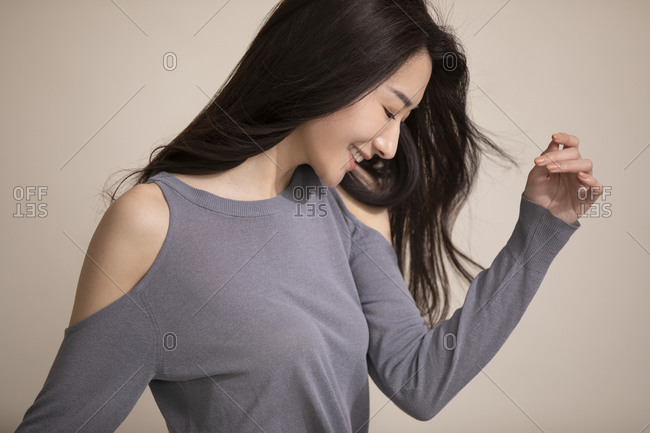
{"x":421,"y":370}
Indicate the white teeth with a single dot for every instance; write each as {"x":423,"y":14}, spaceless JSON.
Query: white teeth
{"x":356,"y":154}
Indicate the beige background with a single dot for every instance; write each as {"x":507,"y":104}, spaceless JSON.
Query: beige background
{"x":84,"y":93}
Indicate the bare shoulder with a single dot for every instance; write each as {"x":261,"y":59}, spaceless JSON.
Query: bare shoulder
{"x":125,"y":244}
{"x":372,"y":216}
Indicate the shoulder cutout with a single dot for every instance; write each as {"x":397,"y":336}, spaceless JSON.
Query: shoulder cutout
{"x":125,"y":244}
{"x":372,"y":216}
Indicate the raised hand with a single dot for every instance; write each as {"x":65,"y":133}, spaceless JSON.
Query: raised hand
{"x":562,"y":181}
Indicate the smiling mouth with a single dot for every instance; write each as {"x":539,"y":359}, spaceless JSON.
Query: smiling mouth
{"x":357,"y":154}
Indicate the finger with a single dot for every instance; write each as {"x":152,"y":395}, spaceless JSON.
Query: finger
{"x":592,"y":184}
{"x":553,"y":146}
{"x":571,"y":166}
{"x":558,"y":155}
{"x":567,"y":140}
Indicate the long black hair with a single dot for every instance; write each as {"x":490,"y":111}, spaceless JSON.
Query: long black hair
{"x":312,"y":58}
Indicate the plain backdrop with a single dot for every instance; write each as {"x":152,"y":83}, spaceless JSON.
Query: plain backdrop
{"x":85,"y":93}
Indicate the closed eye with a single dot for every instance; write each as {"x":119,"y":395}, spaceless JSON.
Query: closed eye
{"x":390,"y":115}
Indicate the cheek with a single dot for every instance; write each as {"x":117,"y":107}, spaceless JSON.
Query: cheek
{"x":354,"y":125}
{"x":364,"y":123}
{"x":357,"y":127}
{"x":332,"y":138}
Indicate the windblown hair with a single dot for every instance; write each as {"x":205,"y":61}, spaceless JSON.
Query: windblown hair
{"x":312,"y":58}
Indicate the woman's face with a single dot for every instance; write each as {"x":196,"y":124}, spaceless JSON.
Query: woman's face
{"x":364,"y":129}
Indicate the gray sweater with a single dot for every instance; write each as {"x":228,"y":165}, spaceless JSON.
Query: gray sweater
{"x":269,"y":316}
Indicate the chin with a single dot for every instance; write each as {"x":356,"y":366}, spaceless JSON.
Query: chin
{"x":330,"y":183}
{"x":332,"y":179}
{"x":330,"y":173}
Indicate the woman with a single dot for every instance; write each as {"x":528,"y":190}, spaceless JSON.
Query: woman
{"x":253,"y":276}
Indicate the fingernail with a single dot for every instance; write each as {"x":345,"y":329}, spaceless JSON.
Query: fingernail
{"x":553,"y":167}
{"x":582,"y":175}
{"x":540,"y":159}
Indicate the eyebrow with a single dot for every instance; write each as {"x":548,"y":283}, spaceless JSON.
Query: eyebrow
{"x":403,"y":98}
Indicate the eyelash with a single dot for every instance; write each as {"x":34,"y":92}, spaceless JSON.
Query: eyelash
{"x":389,"y":114}
{"x":392,"y":116}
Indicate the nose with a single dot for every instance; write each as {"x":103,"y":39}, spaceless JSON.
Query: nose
{"x":386,"y":141}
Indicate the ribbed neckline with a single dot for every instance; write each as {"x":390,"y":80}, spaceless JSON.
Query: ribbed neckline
{"x":242,"y":208}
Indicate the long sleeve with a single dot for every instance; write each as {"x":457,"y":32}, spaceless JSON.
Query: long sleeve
{"x":419,"y":369}
{"x":102,"y":367}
